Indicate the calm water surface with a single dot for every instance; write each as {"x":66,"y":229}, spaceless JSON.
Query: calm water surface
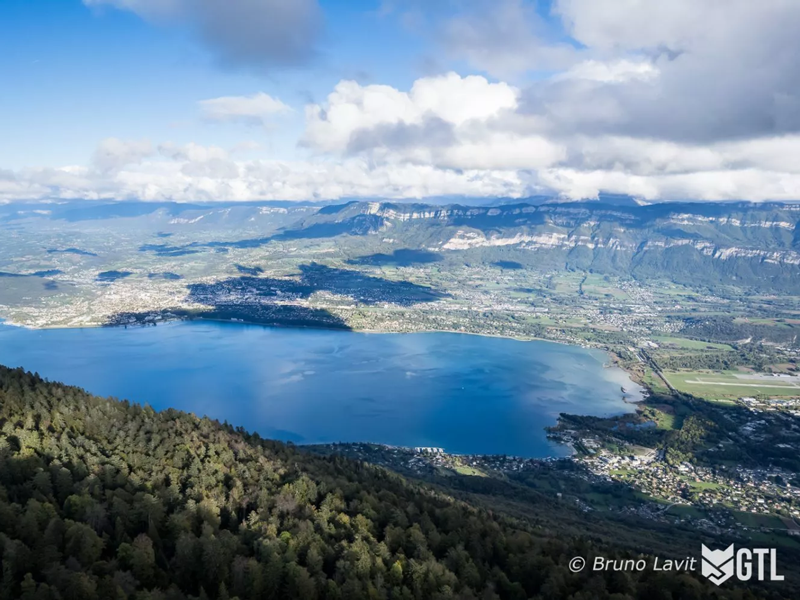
{"x":467,"y":394}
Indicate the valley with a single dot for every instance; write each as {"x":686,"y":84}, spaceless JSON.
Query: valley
{"x":704,"y":314}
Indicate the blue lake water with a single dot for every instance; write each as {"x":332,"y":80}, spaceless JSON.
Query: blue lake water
{"x":467,"y":394}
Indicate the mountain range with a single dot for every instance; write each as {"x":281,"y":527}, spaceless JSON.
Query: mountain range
{"x":700,"y":244}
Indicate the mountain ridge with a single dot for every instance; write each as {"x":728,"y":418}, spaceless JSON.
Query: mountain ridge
{"x":744,"y":243}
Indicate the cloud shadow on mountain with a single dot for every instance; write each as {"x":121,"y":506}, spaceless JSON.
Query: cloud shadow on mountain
{"x":313,"y":277}
{"x":403,"y":257}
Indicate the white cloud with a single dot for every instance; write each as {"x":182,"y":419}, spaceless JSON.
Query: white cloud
{"x":192,"y":152}
{"x":246,"y":147}
{"x":255,"y":109}
{"x":447,"y":121}
{"x":113,"y":153}
{"x":664,"y":100}
{"x":746,"y":184}
{"x":450,"y":98}
{"x":217,"y":179}
{"x":758,"y":170}
{"x":618,"y":71}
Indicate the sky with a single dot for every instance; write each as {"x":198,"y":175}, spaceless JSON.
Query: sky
{"x":202,"y":100}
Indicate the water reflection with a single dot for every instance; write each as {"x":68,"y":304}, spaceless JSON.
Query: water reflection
{"x":468,"y":394}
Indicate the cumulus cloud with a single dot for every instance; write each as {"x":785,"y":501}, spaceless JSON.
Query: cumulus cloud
{"x":662,"y":100}
{"x":755,"y":170}
{"x":681,"y":99}
{"x":726,"y":69}
{"x":253,"y":110}
{"x":447,"y":122}
{"x":203,"y":175}
{"x":251,"y":33}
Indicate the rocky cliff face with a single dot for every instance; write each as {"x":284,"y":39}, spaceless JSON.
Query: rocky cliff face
{"x":752,"y":244}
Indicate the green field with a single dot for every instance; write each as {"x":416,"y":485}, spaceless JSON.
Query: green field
{"x":597,"y":285}
{"x":701,"y":486}
{"x":667,"y":343}
{"x":726,"y":384}
{"x":468,"y":470}
{"x":652,"y":381}
{"x":663,"y":416}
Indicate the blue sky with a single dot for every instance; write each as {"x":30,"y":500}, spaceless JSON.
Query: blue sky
{"x":77,"y":74}
{"x":398,"y":99}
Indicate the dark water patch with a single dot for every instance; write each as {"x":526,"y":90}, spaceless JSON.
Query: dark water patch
{"x":50,"y":285}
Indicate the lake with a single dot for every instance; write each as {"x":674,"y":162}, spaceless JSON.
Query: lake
{"x":464,"y":393}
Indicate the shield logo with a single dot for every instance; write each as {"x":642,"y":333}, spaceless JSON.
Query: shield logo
{"x":718,"y":564}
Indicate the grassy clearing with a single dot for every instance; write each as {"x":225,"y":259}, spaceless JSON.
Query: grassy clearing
{"x":683,"y":511}
{"x":471,"y":471}
{"x":622,"y":472}
{"x":764,"y":321}
{"x":597,"y":286}
{"x":663,"y":416}
{"x":754,"y":520}
{"x":702,"y":486}
{"x":725,"y":385}
{"x":653,"y":381}
{"x":667,"y":343}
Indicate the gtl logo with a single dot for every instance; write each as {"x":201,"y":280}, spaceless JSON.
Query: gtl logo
{"x":721,"y":565}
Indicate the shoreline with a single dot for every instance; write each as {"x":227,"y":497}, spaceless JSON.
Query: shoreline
{"x":278,"y":325}
{"x":614,"y":359}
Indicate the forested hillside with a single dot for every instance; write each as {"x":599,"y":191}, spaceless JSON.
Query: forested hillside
{"x":106,"y":499}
